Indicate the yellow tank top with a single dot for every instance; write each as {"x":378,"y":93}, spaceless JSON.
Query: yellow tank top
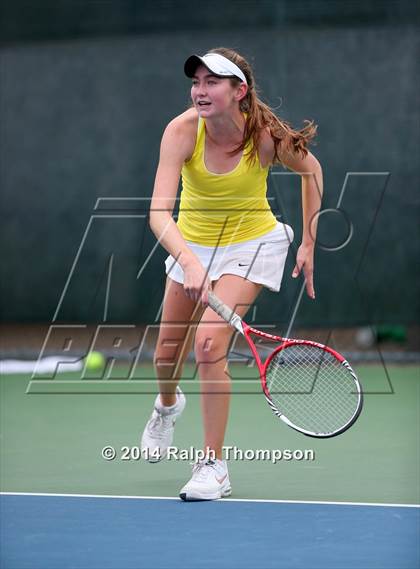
{"x":221,"y":209}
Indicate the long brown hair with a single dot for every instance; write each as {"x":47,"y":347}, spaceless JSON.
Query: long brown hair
{"x":260,"y":116}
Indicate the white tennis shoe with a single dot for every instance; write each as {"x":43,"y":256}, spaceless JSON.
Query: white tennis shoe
{"x":210,"y":481}
{"x":159,"y":431}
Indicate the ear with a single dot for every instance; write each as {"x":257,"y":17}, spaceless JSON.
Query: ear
{"x":241,"y":91}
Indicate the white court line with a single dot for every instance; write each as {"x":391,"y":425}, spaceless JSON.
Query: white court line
{"x":223,"y":500}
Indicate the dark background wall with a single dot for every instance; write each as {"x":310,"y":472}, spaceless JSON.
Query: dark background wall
{"x":86,"y":94}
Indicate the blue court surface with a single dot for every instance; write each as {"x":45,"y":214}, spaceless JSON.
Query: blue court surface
{"x":60,"y":531}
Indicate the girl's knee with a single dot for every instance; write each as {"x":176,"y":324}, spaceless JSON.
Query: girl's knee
{"x":211,"y":345}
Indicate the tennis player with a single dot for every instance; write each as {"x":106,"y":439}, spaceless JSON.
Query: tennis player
{"x":226,"y":238}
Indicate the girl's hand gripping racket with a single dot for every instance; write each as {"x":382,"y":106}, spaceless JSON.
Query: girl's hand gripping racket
{"x":310,"y":387}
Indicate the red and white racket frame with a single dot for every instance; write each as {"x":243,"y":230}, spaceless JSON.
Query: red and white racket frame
{"x":284,"y":343}
{"x":244,"y":329}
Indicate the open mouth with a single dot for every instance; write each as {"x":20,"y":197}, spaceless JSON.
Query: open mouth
{"x":203,"y":104}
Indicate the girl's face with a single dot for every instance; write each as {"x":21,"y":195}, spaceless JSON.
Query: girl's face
{"x":213,"y":95}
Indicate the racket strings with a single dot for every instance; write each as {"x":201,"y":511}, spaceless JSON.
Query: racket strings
{"x":312,"y":388}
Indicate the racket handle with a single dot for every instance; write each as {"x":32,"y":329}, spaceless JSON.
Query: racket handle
{"x":225,"y":312}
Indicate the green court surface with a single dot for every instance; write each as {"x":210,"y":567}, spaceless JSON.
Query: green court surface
{"x":52,"y":442}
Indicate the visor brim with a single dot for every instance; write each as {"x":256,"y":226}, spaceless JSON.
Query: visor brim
{"x":190,"y":66}
{"x":194,"y":61}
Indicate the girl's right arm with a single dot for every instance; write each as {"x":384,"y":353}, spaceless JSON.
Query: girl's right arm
{"x":176,"y":147}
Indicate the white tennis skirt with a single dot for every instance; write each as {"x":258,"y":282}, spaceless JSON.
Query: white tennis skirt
{"x":259,"y":260}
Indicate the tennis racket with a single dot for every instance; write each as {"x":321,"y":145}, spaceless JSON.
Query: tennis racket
{"x":309,"y":386}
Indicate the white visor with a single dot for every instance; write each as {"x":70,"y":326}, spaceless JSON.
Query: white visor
{"x":218,"y":65}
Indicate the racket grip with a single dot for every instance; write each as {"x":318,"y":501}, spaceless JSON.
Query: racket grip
{"x":225,"y":312}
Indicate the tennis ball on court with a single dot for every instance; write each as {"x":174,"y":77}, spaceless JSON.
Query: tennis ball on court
{"x":94,"y":361}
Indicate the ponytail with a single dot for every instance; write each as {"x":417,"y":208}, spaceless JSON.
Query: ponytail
{"x":260,"y":117}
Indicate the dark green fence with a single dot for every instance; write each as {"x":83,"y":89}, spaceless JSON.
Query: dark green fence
{"x":82,"y":120}
{"x":25,"y":20}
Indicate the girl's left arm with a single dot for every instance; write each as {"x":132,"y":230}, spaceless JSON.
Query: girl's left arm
{"x":312,"y":188}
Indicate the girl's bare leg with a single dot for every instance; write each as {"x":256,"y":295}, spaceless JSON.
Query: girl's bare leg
{"x":178,"y":323}
{"x":211,"y":346}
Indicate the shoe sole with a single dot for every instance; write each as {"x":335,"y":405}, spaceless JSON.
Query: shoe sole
{"x":155,"y":460}
{"x":191,"y":498}
{"x":152,"y":459}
